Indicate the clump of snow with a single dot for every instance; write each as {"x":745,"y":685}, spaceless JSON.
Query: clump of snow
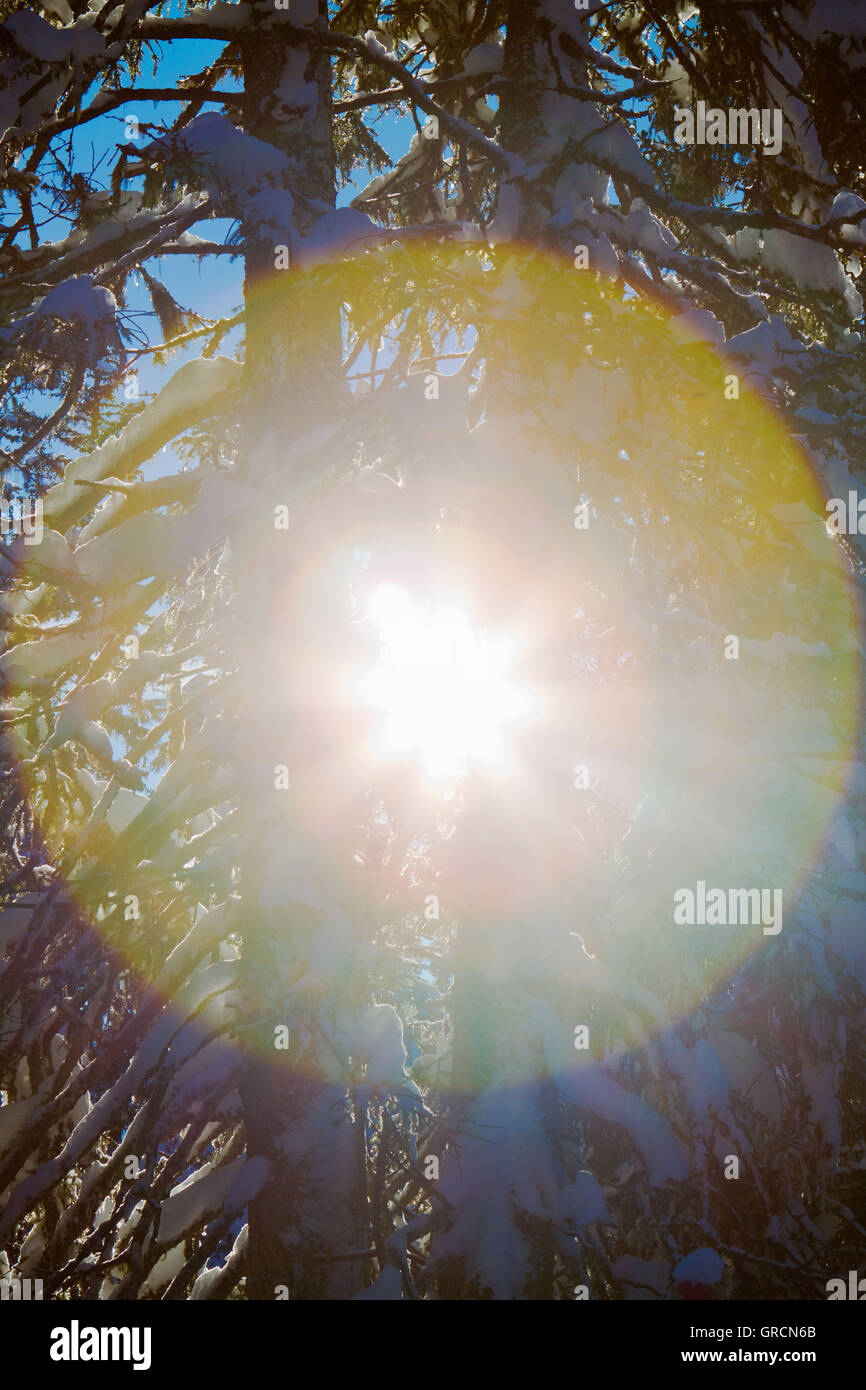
{"x":582,"y":1202}
{"x":336,"y":232}
{"x":126,"y":804}
{"x":133,"y":550}
{"x":293,"y":96}
{"x":223,"y":14}
{"x":506,"y":222}
{"x":810,"y":265}
{"x":44,"y":41}
{"x":30,"y":661}
{"x":838,"y":18}
{"x":484,"y":57}
{"x":645,"y":232}
{"x":50,"y":559}
{"x":167,"y":1267}
{"x":614,"y":144}
{"x":209,"y":1278}
{"x":79,"y":301}
{"x":181,"y":402}
{"x":592,"y":1088}
{"x":379,"y":1039}
{"x":699,"y":325}
{"x":90,"y":309}
{"x":244,"y":176}
{"x":644,"y":1279}
{"x":374,"y":44}
{"x":387,"y":1286}
{"x":502,"y":1167}
{"x":679,"y":82}
{"x":771,"y":346}
{"x":562,"y":14}
{"x":700,"y":1267}
{"x":208,"y":1193}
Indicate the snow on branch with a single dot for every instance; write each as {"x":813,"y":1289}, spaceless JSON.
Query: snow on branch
{"x":197,"y":389}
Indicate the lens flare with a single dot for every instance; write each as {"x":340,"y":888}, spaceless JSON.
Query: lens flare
{"x":607,"y":582}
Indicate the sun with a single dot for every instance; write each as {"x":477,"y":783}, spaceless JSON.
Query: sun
{"x":441,"y":685}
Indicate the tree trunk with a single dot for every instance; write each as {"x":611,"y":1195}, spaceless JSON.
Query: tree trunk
{"x":513,"y":852}
{"x":312,"y":1207}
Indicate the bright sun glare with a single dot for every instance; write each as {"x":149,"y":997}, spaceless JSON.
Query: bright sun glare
{"x":441,"y":685}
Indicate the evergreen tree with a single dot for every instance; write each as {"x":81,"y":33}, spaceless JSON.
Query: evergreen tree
{"x":286,"y":1017}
